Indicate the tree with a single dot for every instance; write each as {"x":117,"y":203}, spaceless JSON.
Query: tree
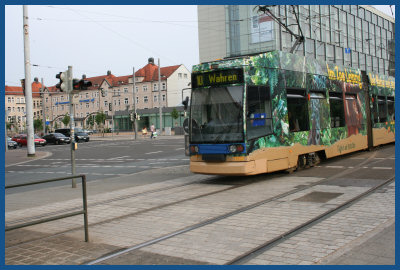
{"x":90,"y":121}
{"x":100,"y":120}
{"x":66,"y":120}
{"x":37,"y":124}
{"x":174,"y":115}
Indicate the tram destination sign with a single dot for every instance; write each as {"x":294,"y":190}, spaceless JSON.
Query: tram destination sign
{"x":218,"y":77}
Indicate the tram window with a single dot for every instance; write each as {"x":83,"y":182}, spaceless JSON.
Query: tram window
{"x":390,"y":102}
{"x":382,"y":109}
{"x":297,"y":110}
{"x":319,"y":110}
{"x":259,"y":116}
{"x":374,"y":101}
{"x":336,"y":109}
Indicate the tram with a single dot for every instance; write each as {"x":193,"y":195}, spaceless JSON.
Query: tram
{"x":280,"y":111}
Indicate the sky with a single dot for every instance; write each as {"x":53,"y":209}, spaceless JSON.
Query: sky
{"x":97,"y":38}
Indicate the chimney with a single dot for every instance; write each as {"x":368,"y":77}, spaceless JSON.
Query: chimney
{"x":108,"y":72}
{"x":151,"y":60}
{"x":84,"y":76}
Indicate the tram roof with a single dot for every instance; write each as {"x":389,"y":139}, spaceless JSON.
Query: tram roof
{"x":285,"y":61}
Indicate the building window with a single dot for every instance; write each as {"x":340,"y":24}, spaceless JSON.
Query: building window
{"x":144,"y":88}
{"x":137,"y":88}
{"x":125,"y":90}
{"x":137,"y":100}
{"x":105,"y":103}
{"x":163,"y":97}
{"x":17,"y":100}
{"x":180,"y":75}
{"x":164,"y":86}
{"x":145,"y":99}
{"x":185,"y":75}
{"x":126,"y":102}
{"x":9,"y":99}
{"x":87,"y":105}
{"x":155,"y":87}
{"x":155,"y":98}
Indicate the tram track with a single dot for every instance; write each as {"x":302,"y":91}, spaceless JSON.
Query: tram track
{"x":283,"y":237}
{"x":368,"y":161}
{"x":249,"y":207}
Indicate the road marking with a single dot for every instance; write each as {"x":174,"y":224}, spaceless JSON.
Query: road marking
{"x":382,"y":168}
{"x":335,"y":167}
{"x":154,"y":152}
{"x":180,"y":149}
{"x":118,"y":157}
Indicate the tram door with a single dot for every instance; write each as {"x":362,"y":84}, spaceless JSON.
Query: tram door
{"x":367,"y":108}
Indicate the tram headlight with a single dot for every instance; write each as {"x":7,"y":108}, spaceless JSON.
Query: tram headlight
{"x":194,"y":149}
{"x":236,"y":148}
{"x":232,"y":148}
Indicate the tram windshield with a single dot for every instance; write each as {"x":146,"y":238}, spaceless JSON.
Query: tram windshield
{"x":216,"y":115}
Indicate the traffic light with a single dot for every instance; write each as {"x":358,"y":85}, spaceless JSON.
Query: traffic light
{"x":185,"y":103}
{"x":63,"y":84}
{"x":81,"y":84}
{"x":110,"y":106}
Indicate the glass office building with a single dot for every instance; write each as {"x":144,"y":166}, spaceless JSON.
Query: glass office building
{"x":350,"y":35}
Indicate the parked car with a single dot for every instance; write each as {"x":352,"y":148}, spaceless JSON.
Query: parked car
{"x":57,"y":138}
{"x":17,"y":138}
{"x":88,"y":131}
{"x":81,"y":136}
{"x":65,"y":131}
{"x":21,"y":140}
{"x":11,"y":144}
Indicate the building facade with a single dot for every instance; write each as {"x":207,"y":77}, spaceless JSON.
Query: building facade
{"x":348,"y":35}
{"x":114,"y":96}
{"x":15,"y":106}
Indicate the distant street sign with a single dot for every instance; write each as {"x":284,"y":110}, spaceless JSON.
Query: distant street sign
{"x":347,"y":50}
{"x":47,"y":123}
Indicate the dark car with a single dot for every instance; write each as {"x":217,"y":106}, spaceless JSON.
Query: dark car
{"x":11,"y":144}
{"x":65,"y":131}
{"x":56,"y":138}
{"x":81,"y":136}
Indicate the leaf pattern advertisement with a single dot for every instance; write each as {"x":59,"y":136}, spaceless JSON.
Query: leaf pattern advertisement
{"x":280,"y":71}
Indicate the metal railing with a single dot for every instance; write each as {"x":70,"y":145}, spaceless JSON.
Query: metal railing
{"x":84,"y":211}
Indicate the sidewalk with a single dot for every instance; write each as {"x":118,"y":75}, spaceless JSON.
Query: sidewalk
{"x":20,"y":155}
{"x":374,"y":248}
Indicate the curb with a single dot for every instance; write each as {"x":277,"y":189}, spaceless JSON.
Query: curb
{"x":48,"y":154}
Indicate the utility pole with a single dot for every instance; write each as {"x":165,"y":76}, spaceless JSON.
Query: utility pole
{"x":43,"y":108}
{"x":28,"y":86}
{"x":159,"y":94}
{"x":5,"y":127}
{"x":134,"y":104}
{"x":72,"y":123}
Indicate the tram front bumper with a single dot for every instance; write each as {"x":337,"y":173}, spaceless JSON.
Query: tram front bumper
{"x":224,"y":168}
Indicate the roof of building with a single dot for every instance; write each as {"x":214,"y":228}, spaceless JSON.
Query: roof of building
{"x":17,"y":90}
{"x":149,"y":72}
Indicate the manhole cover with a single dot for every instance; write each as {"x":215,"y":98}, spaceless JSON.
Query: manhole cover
{"x":317,"y":196}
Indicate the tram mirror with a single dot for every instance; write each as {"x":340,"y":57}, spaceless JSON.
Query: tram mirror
{"x":186,"y":125}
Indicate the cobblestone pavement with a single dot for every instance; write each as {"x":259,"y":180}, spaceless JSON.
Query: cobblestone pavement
{"x":363,"y":233}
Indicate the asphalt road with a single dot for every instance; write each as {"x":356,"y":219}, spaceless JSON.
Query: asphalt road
{"x":102,"y":160}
